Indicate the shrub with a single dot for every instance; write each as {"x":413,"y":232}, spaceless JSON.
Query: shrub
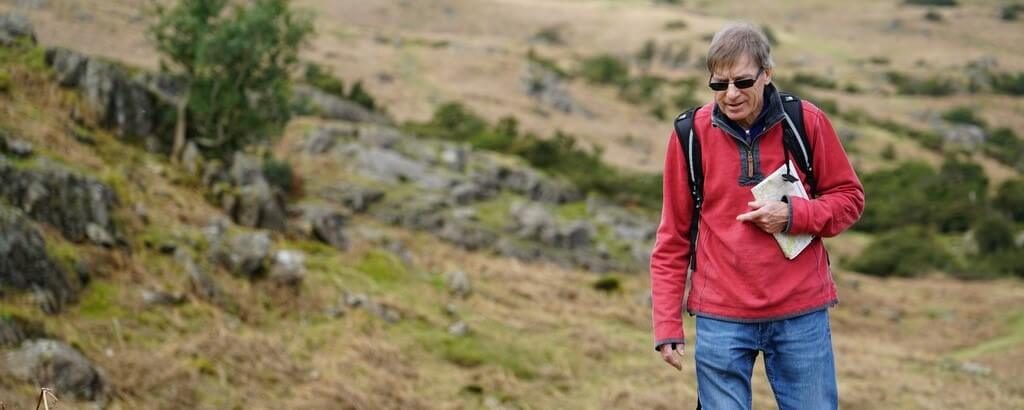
{"x":993,"y":234}
{"x":932,"y":86}
{"x":604,"y":69}
{"x":1007,"y":83}
{"x":607,"y":284}
{"x":641,"y":89}
{"x":323,"y":79}
{"x":964,"y":115}
{"x":646,"y":54}
{"x":933,"y":16}
{"x":814,"y":80}
{"x":1010,"y":199}
{"x":236,"y":65}
{"x":904,"y":252}
{"x":937,"y":3}
{"x":361,"y":97}
{"x":279,"y":174}
{"x":1009,"y":12}
{"x":676,"y":25}
{"x":546,"y":63}
{"x":1004,"y":145}
{"x":889,"y":152}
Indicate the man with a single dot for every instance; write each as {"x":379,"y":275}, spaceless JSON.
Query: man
{"x":747,"y":296}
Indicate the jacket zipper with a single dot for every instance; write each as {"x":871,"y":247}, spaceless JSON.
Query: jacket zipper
{"x":750,"y":162}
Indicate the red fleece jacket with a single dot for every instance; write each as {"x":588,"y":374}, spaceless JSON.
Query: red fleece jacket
{"x":741,"y":272}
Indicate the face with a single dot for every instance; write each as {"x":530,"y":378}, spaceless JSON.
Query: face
{"x":741,"y":105}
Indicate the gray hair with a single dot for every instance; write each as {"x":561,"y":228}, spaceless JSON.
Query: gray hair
{"x":736,"y":40}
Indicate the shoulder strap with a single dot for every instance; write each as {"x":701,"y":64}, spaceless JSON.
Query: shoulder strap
{"x":794,"y":136}
{"x":690,"y":145}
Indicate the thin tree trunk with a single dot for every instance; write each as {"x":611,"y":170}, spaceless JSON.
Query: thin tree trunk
{"x":180,"y":128}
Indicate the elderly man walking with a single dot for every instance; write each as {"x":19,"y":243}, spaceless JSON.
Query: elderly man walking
{"x":747,"y":296}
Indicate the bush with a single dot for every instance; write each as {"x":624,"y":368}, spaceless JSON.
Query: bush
{"x":546,"y":63}
{"x":607,"y":284}
{"x":1010,"y":84}
{"x":993,"y":234}
{"x":1009,"y":12}
{"x":933,"y":16}
{"x":889,"y":152}
{"x":323,"y":79}
{"x":236,"y":65}
{"x":1004,"y":145}
{"x":905,"y":252}
{"x":641,"y":89}
{"x":937,"y":3}
{"x":1010,"y":199}
{"x":814,"y":80}
{"x":964,"y":115}
{"x":673,"y":25}
{"x":279,"y":174}
{"x":359,"y":95}
{"x":604,"y":69}
{"x":931,"y":86}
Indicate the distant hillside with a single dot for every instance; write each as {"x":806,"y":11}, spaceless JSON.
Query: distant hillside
{"x":368,"y":259}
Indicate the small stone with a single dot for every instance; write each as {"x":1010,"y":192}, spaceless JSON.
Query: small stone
{"x":159,"y":298}
{"x":98,"y":235}
{"x":459,"y":328}
{"x":458,"y":284}
{"x":19,"y":148}
{"x":975,"y":369}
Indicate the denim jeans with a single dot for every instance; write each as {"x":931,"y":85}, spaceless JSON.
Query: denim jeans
{"x":797,"y":357}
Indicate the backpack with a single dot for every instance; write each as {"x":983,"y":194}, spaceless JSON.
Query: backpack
{"x":794,"y":138}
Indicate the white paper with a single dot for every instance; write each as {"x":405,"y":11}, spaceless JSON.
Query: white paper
{"x":774,"y":187}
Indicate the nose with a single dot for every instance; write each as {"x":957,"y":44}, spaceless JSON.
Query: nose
{"x":732,"y":91}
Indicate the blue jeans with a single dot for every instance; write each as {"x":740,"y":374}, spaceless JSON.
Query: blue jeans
{"x":797,"y":358}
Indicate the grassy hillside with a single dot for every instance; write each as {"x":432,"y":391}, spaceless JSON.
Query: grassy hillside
{"x":378,"y":325}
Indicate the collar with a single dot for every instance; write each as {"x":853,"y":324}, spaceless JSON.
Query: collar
{"x":771,"y":114}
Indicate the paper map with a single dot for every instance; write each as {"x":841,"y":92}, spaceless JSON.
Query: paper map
{"x":774,"y":187}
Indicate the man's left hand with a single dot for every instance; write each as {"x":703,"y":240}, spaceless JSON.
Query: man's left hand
{"x":770,"y":216}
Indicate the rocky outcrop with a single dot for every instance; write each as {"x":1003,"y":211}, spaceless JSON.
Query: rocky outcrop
{"x":80,"y":207}
{"x":45,"y":362}
{"x":325,"y":225}
{"x":244,"y":254}
{"x":312,"y":101}
{"x":25,"y":263}
{"x":119,"y":101}
{"x":15,"y":27}
{"x":253,"y":202}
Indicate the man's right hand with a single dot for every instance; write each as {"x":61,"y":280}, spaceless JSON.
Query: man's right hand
{"x":666,"y":354}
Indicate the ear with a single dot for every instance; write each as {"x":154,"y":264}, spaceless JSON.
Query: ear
{"x":768,"y":75}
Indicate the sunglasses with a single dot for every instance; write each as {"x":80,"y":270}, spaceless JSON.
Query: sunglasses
{"x":740,"y":84}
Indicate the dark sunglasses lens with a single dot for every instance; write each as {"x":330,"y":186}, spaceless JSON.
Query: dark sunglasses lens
{"x":719,"y":86}
{"x":747,"y":83}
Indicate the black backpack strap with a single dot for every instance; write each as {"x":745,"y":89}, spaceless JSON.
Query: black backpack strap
{"x":690,"y":145}
{"x":794,"y":136}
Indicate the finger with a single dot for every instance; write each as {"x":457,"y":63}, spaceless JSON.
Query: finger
{"x":749,"y":216}
{"x":755,"y":204}
{"x":679,"y":351}
{"x":675,"y":363}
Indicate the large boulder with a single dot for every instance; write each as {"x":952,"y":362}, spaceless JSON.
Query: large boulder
{"x":80,"y":207}
{"x":244,"y":254}
{"x":14,"y":27}
{"x":254,"y":203}
{"x":45,"y":362}
{"x":325,"y":225}
{"x":25,"y":264}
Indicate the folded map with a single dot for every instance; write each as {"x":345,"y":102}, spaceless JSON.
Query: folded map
{"x":774,"y":187}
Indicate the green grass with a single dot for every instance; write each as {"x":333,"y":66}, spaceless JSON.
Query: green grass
{"x":515,"y":354}
{"x":572,"y":210}
{"x":1014,"y":337}
{"x":493,"y":214}
{"x":383,"y":267}
{"x":99,"y":301}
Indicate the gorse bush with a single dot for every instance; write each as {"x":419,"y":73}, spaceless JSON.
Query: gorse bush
{"x":604,"y":69}
{"x":1008,"y":83}
{"x":937,"y":3}
{"x":558,"y":155}
{"x":906,"y":252}
{"x":1010,"y":199}
{"x":964,"y":115}
{"x":236,"y":64}
{"x":814,"y":80}
{"x":913,"y":193}
{"x":933,"y":86}
{"x":1004,"y":146}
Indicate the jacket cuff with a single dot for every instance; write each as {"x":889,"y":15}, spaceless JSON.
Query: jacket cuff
{"x":658,"y":344}
{"x":797,"y":215}
{"x":789,"y":218}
